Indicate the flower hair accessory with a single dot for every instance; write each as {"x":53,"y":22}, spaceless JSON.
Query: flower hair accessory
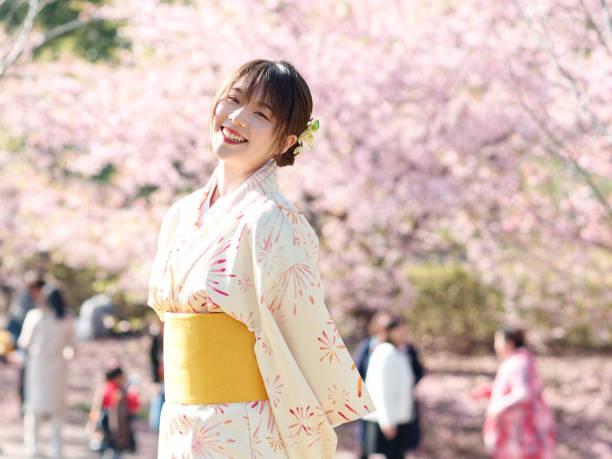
{"x":306,"y":139}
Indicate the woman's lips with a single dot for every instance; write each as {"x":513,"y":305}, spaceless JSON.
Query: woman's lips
{"x":232,"y":137}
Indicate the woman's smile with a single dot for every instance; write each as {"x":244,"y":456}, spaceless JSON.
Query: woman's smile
{"x":231,"y":136}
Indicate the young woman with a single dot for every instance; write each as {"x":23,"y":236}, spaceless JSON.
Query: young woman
{"x":518,"y":423}
{"x":48,"y":338}
{"x":266,"y":375}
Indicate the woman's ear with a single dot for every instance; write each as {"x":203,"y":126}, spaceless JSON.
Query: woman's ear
{"x":289,"y":142}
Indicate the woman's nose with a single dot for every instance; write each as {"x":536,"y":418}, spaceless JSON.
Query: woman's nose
{"x":238,"y":116}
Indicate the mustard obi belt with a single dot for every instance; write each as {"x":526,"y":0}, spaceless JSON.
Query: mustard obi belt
{"x":209,"y":358}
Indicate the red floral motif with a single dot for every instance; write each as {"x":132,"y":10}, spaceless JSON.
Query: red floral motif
{"x":275,"y":442}
{"x":216,"y":269}
{"x":195,"y":439}
{"x":274,"y":388}
{"x":292,"y":284}
{"x":304,"y":417}
{"x":198,"y":301}
{"x":326,"y":444}
{"x":337,"y":396}
{"x":219,"y":408}
{"x":256,"y":442}
{"x":245,"y":283}
{"x":268,"y":254}
{"x":286,"y":219}
{"x":264,"y":344}
{"x":330,"y":347}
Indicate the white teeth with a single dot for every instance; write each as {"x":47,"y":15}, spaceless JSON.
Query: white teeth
{"x":235,"y":138}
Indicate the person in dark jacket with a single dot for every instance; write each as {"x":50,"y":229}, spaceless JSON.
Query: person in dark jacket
{"x":18,"y":309}
{"x":377,"y":328}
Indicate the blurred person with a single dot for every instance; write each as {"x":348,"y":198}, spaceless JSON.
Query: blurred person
{"x":377,"y":333}
{"x":112,"y":414}
{"x":19,"y":307}
{"x":518,"y":424}
{"x":48,"y":338}
{"x":362,"y":358}
{"x":247,"y":335}
{"x":390,"y":379}
{"x":24,"y":302}
{"x":366,"y":346}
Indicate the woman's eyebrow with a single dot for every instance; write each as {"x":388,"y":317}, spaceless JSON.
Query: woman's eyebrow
{"x":264,"y":104}
{"x":259,"y":102}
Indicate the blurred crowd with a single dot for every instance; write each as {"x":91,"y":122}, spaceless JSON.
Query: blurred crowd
{"x":40,"y":339}
{"x":41,"y":334}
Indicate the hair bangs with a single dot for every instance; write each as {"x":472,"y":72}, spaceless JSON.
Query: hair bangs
{"x":273,"y":82}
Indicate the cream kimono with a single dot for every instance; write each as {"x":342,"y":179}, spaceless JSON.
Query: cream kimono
{"x":256,"y":260}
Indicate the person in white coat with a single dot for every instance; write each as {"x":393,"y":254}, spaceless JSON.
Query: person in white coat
{"x":390,"y":382}
{"x":48,"y":338}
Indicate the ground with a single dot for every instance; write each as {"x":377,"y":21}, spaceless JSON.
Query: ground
{"x":578,"y":387}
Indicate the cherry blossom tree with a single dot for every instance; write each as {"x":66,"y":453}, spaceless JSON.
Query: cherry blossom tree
{"x":451,"y":131}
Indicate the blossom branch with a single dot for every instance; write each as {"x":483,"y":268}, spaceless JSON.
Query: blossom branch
{"x":22,"y":36}
{"x":587,"y":176}
{"x":64,"y":28}
{"x":591,"y":22}
{"x":607,"y":14}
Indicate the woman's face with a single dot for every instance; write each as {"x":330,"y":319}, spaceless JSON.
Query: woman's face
{"x":243,"y":132}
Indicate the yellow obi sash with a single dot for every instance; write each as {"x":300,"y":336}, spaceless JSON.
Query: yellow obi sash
{"x":209,"y":358}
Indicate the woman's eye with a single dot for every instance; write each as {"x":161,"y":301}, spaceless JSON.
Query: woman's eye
{"x":262,"y":115}
{"x":233,"y":99}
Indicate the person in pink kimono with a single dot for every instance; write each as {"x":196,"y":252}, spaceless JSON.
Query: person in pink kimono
{"x":518,"y":424}
{"x":254,"y":365}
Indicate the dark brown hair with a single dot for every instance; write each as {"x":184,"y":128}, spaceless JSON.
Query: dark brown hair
{"x":284,"y":89}
{"x":55,"y":301}
{"x":387,"y":323}
{"x":379,"y":322}
{"x":514,"y":334}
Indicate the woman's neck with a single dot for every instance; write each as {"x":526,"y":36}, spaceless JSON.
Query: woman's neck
{"x":229,"y":178}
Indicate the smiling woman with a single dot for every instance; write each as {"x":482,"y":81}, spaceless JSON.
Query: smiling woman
{"x":268,"y":99}
{"x":252,"y":379}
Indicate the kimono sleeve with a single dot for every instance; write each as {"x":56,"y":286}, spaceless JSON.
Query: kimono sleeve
{"x":164,"y":242}
{"x":517,"y":380}
{"x":288,"y":284}
{"x":168,"y":227}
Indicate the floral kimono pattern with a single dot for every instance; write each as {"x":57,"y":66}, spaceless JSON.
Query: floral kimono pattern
{"x":256,"y":260}
{"x":524,"y":427}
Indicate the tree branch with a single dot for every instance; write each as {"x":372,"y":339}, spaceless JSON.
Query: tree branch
{"x":592,"y":23}
{"x":587,"y":176}
{"x":22,"y":36}
{"x":567,"y":75}
{"x":607,"y":15}
{"x":60,"y":30}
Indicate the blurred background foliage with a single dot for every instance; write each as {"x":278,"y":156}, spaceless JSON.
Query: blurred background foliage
{"x":67,"y":27}
{"x":453,"y":303}
{"x":452,"y":308}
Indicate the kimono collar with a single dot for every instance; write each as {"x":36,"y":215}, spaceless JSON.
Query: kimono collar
{"x":263,"y":181}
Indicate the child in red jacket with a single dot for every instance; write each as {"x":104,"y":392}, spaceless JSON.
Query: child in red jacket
{"x":119,"y":405}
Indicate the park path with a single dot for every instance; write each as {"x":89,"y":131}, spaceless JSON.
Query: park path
{"x":579,"y":389}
